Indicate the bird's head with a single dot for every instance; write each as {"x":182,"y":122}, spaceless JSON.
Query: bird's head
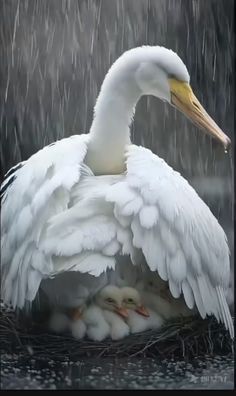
{"x":160,"y":72}
{"x":131,"y":299}
{"x":110,"y":298}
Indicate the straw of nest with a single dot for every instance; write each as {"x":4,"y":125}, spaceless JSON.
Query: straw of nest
{"x":184,"y":337}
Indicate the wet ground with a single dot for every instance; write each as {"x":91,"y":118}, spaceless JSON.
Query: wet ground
{"x":19,"y":372}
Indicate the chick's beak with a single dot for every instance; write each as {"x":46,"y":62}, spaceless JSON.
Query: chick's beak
{"x":142,"y":311}
{"x":122,"y":312}
{"x":75,"y":313}
{"x":183,"y":98}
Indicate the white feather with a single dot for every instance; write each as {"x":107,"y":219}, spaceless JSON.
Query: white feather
{"x":87,"y":197}
{"x":148,"y":216}
{"x":188,"y":294}
{"x":177,"y":267}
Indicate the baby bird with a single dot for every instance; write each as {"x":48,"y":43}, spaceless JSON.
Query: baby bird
{"x":104,"y":317}
{"x":140,"y":318}
{"x":77,"y":325}
{"x":66,"y":296}
{"x":63,"y":320}
{"x":109,"y":299}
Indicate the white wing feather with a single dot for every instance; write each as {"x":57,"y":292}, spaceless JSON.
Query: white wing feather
{"x":40,"y":189}
{"x":78,"y":223}
{"x":179,"y":236}
{"x":54,"y":221}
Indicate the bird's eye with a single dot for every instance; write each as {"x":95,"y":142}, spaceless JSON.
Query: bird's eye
{"x":150,"y":283}
{"x":130,"y":300}
{"x":110,"y":300}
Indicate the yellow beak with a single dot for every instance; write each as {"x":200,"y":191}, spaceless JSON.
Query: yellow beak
{"x":183,"y":98}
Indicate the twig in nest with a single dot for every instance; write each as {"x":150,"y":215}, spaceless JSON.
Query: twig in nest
{"x":183,"y":337}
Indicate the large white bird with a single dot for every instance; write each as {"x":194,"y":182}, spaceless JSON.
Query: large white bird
{"x":77,"y":203}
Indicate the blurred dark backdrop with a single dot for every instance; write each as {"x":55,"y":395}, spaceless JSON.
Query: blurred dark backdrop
{"x":54,"y":55}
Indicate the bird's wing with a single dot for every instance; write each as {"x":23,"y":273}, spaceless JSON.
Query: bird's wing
{"x":55,"y":222}
{"x":153,"y":210}
{"x":87,"y":236}
{"x":33,"y":192}
{"x":176,"y":231}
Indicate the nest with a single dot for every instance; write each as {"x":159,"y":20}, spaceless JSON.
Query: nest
{"x":182,"y":337}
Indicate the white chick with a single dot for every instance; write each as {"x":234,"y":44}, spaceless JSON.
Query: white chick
{"x":68,"y":319}
{"x":66,"y":295}
{"x":140,"y":318}
{"x":104,"y":317}
{"x":77,"y":325}
{"x":97,"y":329}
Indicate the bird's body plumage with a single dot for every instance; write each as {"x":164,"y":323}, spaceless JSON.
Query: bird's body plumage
{"x":68,"y":209}
{"x":138,"y":323}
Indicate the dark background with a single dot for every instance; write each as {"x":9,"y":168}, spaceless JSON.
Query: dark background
{"x":54,"y":55}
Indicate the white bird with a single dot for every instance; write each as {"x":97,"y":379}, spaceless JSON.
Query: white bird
{"x":66,"y":296}
{"x":78,"y":329}
{"x":141,"y":317}
{"x":105,"y":317}
{"x":102,"y":318}
{"x":70,"y":319}
{"x":97,"y":328}
{"x":77,"y":203}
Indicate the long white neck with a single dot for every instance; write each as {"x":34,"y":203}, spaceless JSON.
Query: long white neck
{"x":110,"y":130}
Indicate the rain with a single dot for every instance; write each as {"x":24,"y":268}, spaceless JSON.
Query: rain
{"x":53,"y":58}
